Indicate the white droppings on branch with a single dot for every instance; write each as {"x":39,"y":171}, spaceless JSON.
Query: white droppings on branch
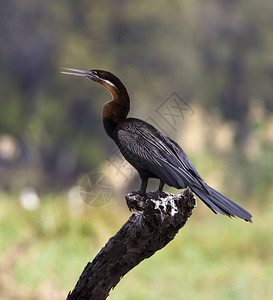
{"x":167,"y":205}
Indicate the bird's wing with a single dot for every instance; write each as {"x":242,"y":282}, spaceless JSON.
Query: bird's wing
{"x":187,"y":165}
{"x":160,"y":155}
{"x":139,"y":148}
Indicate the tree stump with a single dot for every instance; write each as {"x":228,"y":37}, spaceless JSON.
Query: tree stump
{"x":154,"y":223}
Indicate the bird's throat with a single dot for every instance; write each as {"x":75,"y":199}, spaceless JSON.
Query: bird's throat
{"x":109,"y":126}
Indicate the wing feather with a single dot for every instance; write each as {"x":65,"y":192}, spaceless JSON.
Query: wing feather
{"x":152,"y":150}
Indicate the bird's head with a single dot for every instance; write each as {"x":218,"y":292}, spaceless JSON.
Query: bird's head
{"x":118,"y":107}
{"x":105,"y":78}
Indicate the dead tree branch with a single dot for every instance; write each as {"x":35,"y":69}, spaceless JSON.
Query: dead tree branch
{"x":151,"y":227}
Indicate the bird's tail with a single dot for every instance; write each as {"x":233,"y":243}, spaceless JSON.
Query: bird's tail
{"x":219,"y":203}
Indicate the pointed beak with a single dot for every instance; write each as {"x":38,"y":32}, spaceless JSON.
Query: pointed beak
{"x":77,"y":72}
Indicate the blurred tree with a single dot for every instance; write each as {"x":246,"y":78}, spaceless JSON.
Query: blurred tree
{"x":232,"y":34}
{"x":216,"y":52}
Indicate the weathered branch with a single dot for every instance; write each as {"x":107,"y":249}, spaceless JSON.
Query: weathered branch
{"x":154,"y":224}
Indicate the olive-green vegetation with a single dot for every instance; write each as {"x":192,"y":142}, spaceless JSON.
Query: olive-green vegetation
{"x":213,"y":257}
{"x":215,"y":60}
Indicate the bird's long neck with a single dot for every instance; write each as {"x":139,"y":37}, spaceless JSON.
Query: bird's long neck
{"x":117,"y":109}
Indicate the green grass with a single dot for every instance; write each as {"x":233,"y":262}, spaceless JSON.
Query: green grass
{"x":43,"y":252}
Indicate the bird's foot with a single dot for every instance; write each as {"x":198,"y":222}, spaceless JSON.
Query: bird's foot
{"x":139,"y":192}
{"x":152,"y":195}
{"x":136,"y":203}
{"x":156,"y":194}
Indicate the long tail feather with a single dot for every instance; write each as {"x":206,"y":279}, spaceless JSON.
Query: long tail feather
{"x":219,"y":203}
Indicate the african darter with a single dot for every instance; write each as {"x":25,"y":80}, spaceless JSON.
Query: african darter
{"x":150,"y":152}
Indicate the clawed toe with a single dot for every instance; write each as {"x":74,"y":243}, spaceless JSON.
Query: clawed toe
{"x":140,"y":193}
{"x":156,"y":194}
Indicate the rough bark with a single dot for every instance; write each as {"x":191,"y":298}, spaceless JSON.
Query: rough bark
{"x":153,"y":225}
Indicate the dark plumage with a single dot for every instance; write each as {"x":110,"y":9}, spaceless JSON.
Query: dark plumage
{"x":150,"y":152}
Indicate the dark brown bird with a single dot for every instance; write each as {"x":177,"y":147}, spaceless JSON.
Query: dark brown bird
{"x":150,"y":152}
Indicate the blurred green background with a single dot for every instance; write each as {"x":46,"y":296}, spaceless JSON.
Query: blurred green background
{"x":214,"y":59}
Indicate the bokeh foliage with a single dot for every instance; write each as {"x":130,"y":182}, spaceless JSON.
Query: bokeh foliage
{"x":216,"y":53}
{"x":44,"y":251}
